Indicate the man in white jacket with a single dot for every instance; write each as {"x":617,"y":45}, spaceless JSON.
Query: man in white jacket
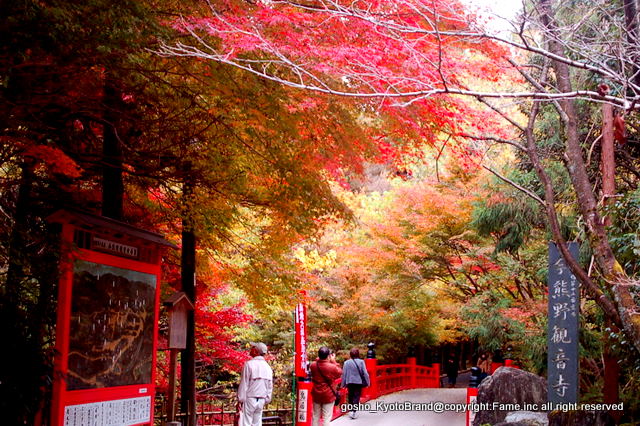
{"x":256,"y":386}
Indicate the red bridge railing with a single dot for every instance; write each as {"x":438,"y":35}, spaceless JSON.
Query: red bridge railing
{"x":391,"y":378}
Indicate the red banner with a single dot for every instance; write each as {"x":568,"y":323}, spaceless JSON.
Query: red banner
{"x":301,"y":341}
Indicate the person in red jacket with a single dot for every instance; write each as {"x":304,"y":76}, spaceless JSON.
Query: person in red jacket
{"x":324,"y":372}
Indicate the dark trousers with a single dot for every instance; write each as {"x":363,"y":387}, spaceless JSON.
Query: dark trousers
{"x":452,"y":379}
{"x":353,"y":393}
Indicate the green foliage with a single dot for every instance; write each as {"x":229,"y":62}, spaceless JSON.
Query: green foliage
{"x":255,"y":160}
{"x":485,"y":321}
{"x":624,"y":232}
{"x":510,"y":222}
{"x":51,"y":71}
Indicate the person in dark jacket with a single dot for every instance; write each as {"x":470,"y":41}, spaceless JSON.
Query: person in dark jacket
{"x":324,"y":372}
{"x":354,"y":378}
{"x":451,"y":369}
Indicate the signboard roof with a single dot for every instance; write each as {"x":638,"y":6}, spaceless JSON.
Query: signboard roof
{"x":90,"y":221}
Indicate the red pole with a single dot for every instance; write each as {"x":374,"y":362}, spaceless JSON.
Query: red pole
{"x":304,"y":403}
{"x":301,"y":340}
{"x":413,"y":372}
{"x":372,"y":369}
{"x":472,"y":396}
{"x":62,"y":326}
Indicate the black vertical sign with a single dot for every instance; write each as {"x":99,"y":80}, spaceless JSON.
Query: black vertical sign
{"x":562,"y":332}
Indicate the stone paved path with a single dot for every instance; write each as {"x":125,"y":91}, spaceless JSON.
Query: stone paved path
{"x":414,"y":417}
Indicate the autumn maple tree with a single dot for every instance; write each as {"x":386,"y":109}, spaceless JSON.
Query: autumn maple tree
{"x":240,"y":130}
{"x":412,"y":52}
{"x":256,"y":160}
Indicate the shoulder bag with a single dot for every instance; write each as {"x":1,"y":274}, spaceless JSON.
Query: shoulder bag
{"x":365,"y":383}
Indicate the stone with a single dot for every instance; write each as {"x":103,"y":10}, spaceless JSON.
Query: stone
{"x":525,"y":418}
{"x":507,"y":387}
{"x":580,"y":418}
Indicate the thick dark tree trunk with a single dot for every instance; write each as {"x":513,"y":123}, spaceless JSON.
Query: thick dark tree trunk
{"x":187,"y":360}
{"x":22,"y":348}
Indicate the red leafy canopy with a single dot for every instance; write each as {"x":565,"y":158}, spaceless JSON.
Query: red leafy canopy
{"x":401,"y":52}
{"x":53,"y":160}
{"x":214,"y":336}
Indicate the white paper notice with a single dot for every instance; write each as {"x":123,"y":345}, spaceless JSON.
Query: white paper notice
{"x":121,"y":412}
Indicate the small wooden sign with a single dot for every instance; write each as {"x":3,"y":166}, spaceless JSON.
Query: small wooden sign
{"x":178,"y":306}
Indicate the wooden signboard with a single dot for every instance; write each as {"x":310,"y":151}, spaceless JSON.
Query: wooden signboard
{"x":178,"y":306}
{"x":106,"y":332}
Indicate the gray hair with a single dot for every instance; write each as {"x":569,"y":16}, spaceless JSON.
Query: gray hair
{"x":260,"y":347}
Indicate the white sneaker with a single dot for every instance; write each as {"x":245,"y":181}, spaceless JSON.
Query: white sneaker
{"x":353,"y":415}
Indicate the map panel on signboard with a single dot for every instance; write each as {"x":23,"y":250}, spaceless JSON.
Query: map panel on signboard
{"x":111,"y":327}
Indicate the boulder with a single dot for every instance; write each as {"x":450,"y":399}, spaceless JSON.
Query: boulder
{"x":506,"y":388}
{"x":525,"y":418}
{"x":580,"y":418}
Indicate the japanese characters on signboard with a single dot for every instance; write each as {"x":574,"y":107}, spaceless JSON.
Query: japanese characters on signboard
{"x":301,"y":341}
{"x":562,"y":333}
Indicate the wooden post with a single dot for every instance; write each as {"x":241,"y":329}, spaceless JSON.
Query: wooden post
{"x":171,"y":411}
{"x":608,"y":157}
{"x":179,"y":307}
{"x":611,"y":366}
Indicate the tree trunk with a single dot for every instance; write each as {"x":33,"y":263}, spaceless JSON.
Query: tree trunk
{"x":112,"y":182}
{"x":611,"y":366}
{"x":22,"y":351}
{"x":612,"y":272}
{"x":187,"y":360}
{"x":631,"y":21}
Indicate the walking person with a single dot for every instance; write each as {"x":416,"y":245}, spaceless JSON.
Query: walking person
{"x":324,"y":372}
{"x":256,"y":387}
{"x":484,"y":362}
{"x":354,"y":377}
{"x":451,"y":369}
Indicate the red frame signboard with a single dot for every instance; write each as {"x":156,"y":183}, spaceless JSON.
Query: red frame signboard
{"x":301,"y":340}
{"x":107,"y":327}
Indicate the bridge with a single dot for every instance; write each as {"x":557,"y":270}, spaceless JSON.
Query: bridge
{"x":406,"y":394}
{"x":399,"y":394}
{"x":393,"y":409}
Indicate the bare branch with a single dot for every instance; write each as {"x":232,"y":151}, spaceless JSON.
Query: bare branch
{"x":495,"y":139}
{"x":516,"y":185}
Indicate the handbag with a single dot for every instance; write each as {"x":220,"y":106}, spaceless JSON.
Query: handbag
{"x":333,"y":391}
{"x":365,"y":383}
